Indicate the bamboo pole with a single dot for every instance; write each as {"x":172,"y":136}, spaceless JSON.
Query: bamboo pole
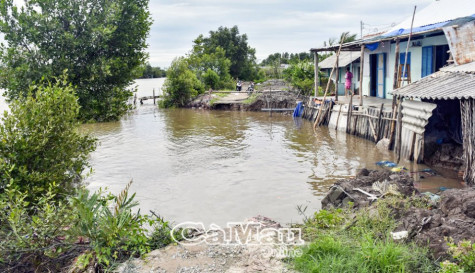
{"x":337,"y":77}
{"x":407,"y":46}
{"x":328,"y":84}
{"x":316,"y":70}
{"x":396,"y":65}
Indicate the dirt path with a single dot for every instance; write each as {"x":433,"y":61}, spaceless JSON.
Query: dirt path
{"x":236,"y":97}
{"x":222,"y":251}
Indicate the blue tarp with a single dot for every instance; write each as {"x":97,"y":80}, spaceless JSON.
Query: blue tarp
{"x":298,"y":110}
{"x":373,"y":46}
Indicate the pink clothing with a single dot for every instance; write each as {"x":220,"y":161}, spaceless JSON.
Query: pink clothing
{"x":349,"y":78}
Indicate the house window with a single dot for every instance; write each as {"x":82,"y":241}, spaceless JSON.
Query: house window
{"x":434,"y":58}
{"x":427,"y":61}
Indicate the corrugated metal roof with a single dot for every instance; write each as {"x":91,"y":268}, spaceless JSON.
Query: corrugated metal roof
{"x":447,"y":84}
{"x":468,"y":68}
{"x":439,"y":14}
{"x":436,"y":14}
{"x":345,"y":59}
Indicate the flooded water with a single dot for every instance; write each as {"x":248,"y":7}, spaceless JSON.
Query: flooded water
{"x":220,"y":166}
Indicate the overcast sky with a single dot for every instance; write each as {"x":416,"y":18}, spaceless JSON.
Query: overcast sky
{"x":271,"y":25}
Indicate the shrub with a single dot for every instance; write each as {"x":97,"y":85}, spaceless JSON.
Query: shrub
{"x":464,"y":255}
{"x":181,"y":84}
{"x":40,"y":144}
{"x":34,"y":236}
{"x":114,"y":231}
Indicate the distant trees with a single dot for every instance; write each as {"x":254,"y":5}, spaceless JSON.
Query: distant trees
{"x":213,"y":63}
{"x":236,"y":49}
{"x":286,"y":58}
{"x":152,"y":72}
{"x":100,"y":43}
{"x":181,"y":84}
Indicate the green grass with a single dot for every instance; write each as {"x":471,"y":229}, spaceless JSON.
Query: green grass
{"x":217,"y":98}
{"x":343,"y":240}
{"x":251,"y":99}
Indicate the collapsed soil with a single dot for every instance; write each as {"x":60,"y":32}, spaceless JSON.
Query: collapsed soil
{"x":217,"y":256}
{"x":270,"y":94}
{"x":451,"y":215}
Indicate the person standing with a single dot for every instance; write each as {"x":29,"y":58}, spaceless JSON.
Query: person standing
{"x":348,"y":81}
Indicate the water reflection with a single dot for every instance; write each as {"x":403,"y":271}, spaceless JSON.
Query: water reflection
{"x":219,"y":166}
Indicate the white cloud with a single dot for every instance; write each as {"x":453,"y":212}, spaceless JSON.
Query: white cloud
{"x":271,"y":25}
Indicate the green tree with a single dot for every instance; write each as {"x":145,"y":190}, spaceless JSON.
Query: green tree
{"x":237,"y":50}
{"x":40,"y":144}
{"x":301,"y":75}
{"x":215,"y":61}
{"x":100,"y":42}
{"x":181,"y":84}
{"x":211,"y":79}
{"x":152,"y":72}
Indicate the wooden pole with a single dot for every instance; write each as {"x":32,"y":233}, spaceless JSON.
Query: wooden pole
{"x":399,"y":130}
{"x":396,"y":65}
{"x":407,"y":46}
{"x":361,"y":74}
{"x":380,"y":125}
{"x":338,"y":118}
{"x":337,"y":77}
{"x":328,"y":84}
{"x":393,"y":123}
{"x":154,"y":96}
{"x":350,"y":111}
{"x":317,"y":69}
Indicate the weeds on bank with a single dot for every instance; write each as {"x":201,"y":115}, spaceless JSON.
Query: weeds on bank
{"x":344,"y":240}
{"x":89,"y":230}
{"x":217,"y":97}
{"x":463,"y":254}
{"x":251,"y":99}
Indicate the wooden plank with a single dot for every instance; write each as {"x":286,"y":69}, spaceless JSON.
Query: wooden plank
{"x":380,"y":122}
{"x":277,"y":109}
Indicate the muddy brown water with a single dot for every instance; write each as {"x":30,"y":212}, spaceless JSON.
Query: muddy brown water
{"x":222,"y":166}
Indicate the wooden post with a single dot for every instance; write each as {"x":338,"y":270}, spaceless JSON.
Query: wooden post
{"x":154,"y":96}
{"x":337,"y":77}
{"x":338,"y":118}
{"x":317,"y":69}
{"x":379,"y":122}
{"x":407,"y":46}
{"x":328,"y":84}
{"x":393,"y":124}
{"x":361,"y":74}
{"x":399,"y":130}
{"x":350,"y":111}
{"x":396,"y":66}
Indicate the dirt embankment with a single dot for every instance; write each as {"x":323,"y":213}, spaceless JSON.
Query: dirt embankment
{"x":246,"y":102}
{"x":238,"y":249}
{"x":449,"y":215}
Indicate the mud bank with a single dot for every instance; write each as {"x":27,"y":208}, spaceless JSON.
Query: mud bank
{"x":451,"y":214}
{"x":246,"y":102}
{"x":219,"y":251}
